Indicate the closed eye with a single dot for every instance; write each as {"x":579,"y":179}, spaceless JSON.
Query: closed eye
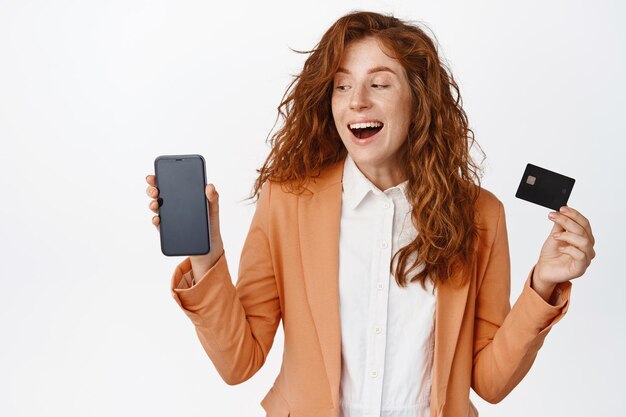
{"x":380,"y":86}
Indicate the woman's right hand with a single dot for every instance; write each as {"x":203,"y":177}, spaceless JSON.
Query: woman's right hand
{"x":199,"y":263}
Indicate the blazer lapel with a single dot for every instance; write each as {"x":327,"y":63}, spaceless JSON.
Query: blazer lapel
{"x":319,"y":216}
{"x":450,"y":308}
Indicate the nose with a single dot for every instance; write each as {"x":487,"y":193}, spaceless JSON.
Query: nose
{"x":360,"y":98}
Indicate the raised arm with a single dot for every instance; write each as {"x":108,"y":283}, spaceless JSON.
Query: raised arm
{"x":235,"y":324}
{"x":506,"y":340}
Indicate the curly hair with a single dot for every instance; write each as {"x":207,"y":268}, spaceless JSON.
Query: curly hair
{"x":443,"y":180}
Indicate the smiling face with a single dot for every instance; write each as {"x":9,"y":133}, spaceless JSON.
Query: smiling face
{"x":371,"y":105}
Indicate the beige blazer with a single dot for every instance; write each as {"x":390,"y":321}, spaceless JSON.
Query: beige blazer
{"x":288,"y":270}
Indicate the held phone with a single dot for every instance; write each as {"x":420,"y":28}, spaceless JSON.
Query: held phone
{"x":544,"y":187}
{"x":183,"y":206}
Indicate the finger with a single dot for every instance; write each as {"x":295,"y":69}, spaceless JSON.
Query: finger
{"x":156,"y":220}
{"x":567,"y":223}
{"x":154,"y":206}
{"x":150,"y":179}
{"x":556,"y":228}
{"x":578,"y":218}
{"x":579,"y":241}
{"x":578,"y":256}
{"x":152,"y":192}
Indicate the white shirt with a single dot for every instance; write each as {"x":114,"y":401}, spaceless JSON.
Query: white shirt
{"x":387,"y":332}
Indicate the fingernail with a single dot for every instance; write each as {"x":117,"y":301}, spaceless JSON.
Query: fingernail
{"x":552,"y":215}
{"x":564,"y":210}
{"x":556,"y":234}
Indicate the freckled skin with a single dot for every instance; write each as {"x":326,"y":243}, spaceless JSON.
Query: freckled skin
{"x":381,"y":95}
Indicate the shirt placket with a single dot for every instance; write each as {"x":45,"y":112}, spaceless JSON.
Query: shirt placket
{"x":379,"y":296}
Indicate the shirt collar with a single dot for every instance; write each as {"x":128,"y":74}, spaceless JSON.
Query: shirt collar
{"x":356,"y":186}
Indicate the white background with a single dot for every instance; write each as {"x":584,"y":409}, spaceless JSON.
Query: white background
{"x":91,"y":92}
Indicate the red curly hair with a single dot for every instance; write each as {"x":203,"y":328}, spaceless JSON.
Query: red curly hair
{"x":443,"y":180}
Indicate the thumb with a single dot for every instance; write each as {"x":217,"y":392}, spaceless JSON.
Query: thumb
{"x":214,"y":207}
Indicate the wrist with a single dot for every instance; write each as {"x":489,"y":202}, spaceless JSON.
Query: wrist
{"x":544,"y":289}
{"x":201,"y":264}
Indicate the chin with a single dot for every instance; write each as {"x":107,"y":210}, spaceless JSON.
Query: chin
{"x":367,"y":157}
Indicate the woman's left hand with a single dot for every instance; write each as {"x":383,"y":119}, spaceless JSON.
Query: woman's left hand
{"x":568,"y":251}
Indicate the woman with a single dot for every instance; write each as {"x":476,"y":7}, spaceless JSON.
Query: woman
{"x":374,"y":148}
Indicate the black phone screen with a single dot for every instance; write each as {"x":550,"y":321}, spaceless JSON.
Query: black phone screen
{"x":183,"y":210}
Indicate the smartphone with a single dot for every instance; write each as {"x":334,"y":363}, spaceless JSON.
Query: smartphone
{"x":544,"y":187}
{"x":183,"y":206}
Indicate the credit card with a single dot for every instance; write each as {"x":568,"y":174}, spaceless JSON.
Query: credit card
{"x":544,"y":187}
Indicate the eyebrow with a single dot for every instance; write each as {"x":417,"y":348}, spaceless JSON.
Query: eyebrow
{"x":370,"y":71}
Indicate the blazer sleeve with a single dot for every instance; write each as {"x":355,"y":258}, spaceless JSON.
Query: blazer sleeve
{"x":506,"y":340}
{"x":236,"y":324}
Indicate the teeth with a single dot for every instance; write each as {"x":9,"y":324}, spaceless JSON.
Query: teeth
{"x":364,"y":125}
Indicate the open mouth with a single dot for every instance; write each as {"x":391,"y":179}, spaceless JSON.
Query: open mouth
{"x":365,"y":130}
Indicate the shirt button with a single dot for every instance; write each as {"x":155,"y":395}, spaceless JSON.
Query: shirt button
{"x":373,"y":374}
{"x":386,"y":205}
{"x":377,"y":329}
{"x":383,"y":245}
{"x":379,"y":286}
